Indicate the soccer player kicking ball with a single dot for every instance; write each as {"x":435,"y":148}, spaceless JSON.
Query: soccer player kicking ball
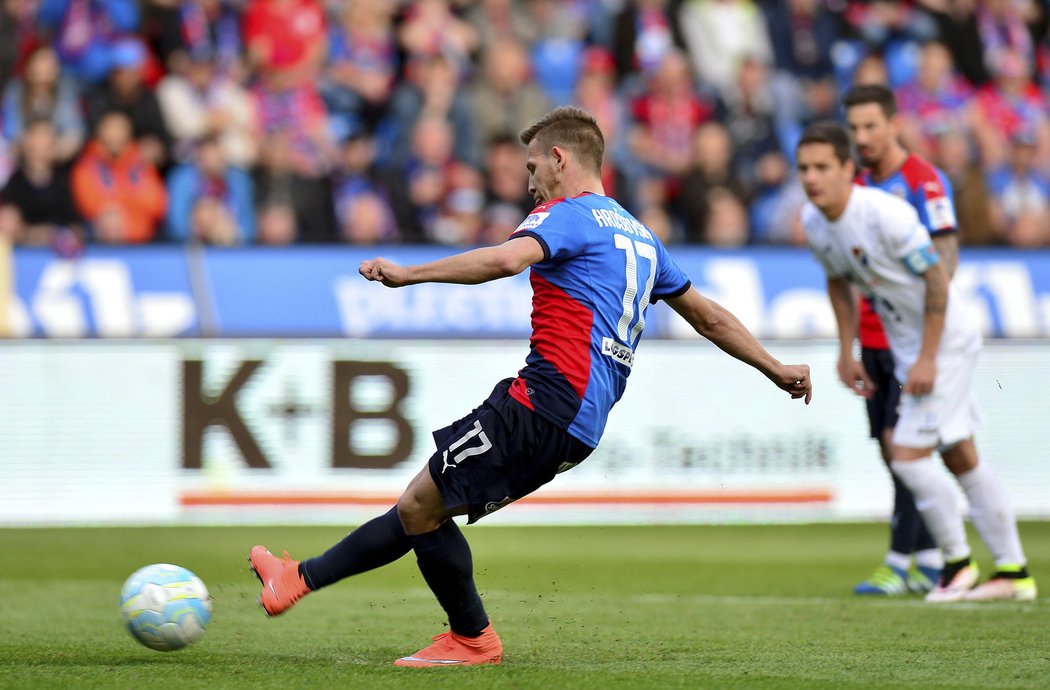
{"x":594,"y":271}
{"x":870,"y":238}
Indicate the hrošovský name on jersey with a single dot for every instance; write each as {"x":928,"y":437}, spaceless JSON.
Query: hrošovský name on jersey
{"x":611,"y":219}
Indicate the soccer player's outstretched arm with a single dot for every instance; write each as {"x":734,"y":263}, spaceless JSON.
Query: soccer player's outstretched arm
{"x":711,"y":320}
{"x":851,"y":372}
{"x":467,"y":268}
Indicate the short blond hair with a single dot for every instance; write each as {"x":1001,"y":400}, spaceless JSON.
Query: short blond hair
{"x":572,"y":128}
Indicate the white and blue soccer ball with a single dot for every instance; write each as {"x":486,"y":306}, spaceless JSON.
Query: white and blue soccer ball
{"x":166,"y":607}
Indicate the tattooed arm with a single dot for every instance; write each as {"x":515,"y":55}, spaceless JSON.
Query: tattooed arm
{"x":924,"y":371}
{"x":947,"y":244}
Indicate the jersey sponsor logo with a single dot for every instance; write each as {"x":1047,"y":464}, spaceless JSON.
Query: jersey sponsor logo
{"x":940,"y":213}
{"x":618,"y":351}
{"x":534,"y":220}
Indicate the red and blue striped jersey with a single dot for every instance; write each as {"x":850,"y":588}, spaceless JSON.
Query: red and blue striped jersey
{"x":601,"y":270}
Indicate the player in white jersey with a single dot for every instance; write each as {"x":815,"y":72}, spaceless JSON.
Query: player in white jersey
{"x":876,"y":242}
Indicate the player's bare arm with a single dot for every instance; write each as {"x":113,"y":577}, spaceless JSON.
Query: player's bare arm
{"x":947,"y":245}
{"x":468,"y":268}
{"x":711,"y":320}
{"x":924,"y":371}
{"x":844,"y":305}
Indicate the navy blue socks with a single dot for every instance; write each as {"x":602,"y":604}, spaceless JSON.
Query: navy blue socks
{"x":444,"y":559}
{"x":908,"y":532}
{"x":373,"y":544}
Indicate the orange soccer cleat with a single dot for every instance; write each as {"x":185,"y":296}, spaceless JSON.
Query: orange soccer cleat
{"x":450,"y":649}
{"x":282,"y":583}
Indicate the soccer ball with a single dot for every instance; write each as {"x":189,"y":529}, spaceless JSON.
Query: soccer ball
{"x":166,"y":607}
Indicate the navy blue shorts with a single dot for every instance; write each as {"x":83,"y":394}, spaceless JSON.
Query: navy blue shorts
{"x":882,"y":407}
{"x":499,"y":453}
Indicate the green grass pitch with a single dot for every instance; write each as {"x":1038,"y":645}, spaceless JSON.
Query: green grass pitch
{"x":612,"y":607}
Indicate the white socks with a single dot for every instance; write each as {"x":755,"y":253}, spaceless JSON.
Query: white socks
{"x":935,"y":499}
{"x":992,"y":514}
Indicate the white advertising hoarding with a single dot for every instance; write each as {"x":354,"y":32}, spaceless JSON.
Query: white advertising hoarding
{"x":331,"y":431}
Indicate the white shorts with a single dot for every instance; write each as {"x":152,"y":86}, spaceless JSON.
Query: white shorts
{"x":947,"y":415}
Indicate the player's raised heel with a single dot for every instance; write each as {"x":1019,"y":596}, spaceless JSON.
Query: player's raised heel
{"x":1002,"y":587}
{"x":450,"y":649}
{"x":280,"y":578}
{"x":885,"y":581}
{"x":956,"y":580}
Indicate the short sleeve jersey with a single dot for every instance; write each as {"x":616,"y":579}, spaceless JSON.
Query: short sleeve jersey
{"x":877,"y":243}
{"x":601,"y":270}
{"x":929,"y":192}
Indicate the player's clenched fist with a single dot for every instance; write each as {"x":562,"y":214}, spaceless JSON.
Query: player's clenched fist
{"x":386,"y":272}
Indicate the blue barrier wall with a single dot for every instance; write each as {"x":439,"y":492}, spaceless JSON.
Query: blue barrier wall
{"x":315,"y":291}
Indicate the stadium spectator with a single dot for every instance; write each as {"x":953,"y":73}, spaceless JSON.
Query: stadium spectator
{"x":43,"y":93}
{"x":936,"y":101}
{"x":644,"y":32}
{"x":1005,"y":28}
{"x":36,"y":205}
{"x":198,"y":100}
{"x":85,"y":33}
{"x":209,"y":200}
{"x":1009,"y":104}
{"x":749,"y":112}
{"x":505,"y":98}
{"x":430,"y":28}
{"x":558,"y":54}
{"x":721,"y":33}
{"x":506,"y":195}
{"x":294,"y":206}
{"x":666,"y":116}
{"x":596,"y":93}
{"x":954,"y":154}
{"x":125,"y":90}
{"x":871,"y":70}
{"x":711,"y":190}
{"x":428,"y":175}
{"x":431,"y":87}
{"x":499,"y":20}
{"x":1020,"y":194}
{"x":801,"y":32}
{"x":201,"y":27}
{"x":389,"y":218}
{"x":18,"y":35}
{"x":284,"y":39}
{"x":776,"y":201}
{"x":115,"y":188}
{"x":359,"y":75}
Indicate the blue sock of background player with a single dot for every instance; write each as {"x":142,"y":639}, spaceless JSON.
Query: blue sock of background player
{"x":443,"y":557}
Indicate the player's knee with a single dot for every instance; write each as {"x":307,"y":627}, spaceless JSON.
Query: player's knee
{"x":418,"y":516}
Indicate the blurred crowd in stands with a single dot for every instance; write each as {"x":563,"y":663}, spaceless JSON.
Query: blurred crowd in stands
{"x":382,"y":121}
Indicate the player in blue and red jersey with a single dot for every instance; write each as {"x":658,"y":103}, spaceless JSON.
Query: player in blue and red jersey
{"x":594,"y":270}
{"x":871,"y":112}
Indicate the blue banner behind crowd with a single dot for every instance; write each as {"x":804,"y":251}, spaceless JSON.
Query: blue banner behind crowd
{"x":316,"y":291}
